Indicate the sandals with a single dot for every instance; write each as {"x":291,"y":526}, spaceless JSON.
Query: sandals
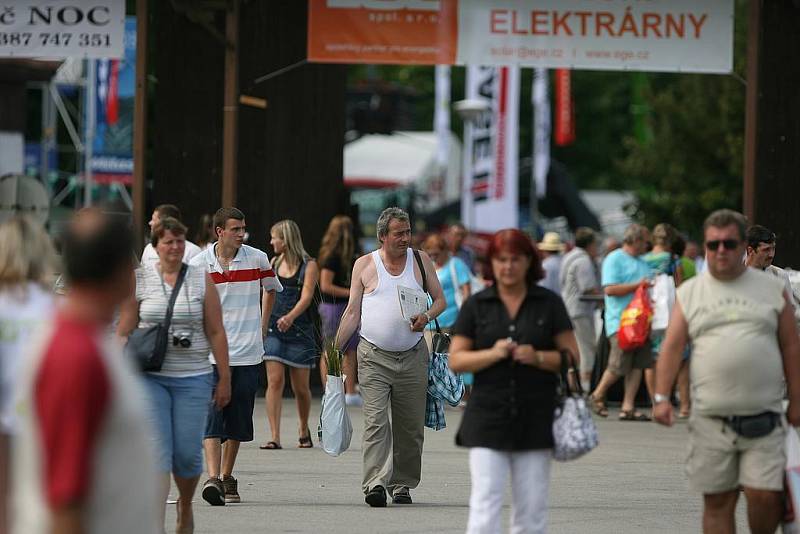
{"x":599,"y":406}
{"x":270,"y":446}
{"x":305,"y":442}
{"x":633,"y":415}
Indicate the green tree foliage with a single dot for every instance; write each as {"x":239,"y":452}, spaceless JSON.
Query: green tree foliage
{"x":693,"y":163}
{"x":604,"y":115}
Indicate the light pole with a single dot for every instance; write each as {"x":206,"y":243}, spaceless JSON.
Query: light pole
{"x":470,"y":110}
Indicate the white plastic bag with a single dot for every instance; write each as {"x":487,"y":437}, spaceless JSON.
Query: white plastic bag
{"x":335,"y":428}
{"x":793,"y":479}
{"x":663,"y":297}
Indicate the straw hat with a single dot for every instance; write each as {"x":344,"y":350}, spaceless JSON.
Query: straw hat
{"x":551,"y":243}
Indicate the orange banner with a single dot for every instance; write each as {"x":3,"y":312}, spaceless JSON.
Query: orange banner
{"x":383,"y":31}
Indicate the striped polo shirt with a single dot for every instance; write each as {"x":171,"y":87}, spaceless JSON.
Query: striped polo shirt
{"x":240,"y":294}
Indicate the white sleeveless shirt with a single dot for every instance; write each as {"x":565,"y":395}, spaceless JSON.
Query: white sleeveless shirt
{"x":382,"y":323}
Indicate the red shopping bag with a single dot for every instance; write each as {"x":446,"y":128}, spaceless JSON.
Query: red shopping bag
{"x":634,"y":324}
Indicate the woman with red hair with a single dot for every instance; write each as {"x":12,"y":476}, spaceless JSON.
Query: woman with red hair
{"x":512,"y":336}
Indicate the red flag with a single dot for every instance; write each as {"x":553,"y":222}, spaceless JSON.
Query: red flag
{"x":565,"y":109}
{"x":112,"y":101}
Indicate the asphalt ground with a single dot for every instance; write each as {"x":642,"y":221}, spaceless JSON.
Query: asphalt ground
{"x":632,"y":483}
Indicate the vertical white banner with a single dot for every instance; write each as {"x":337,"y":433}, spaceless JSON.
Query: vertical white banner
{"x":541,"y":131}
{"x":441,"y":117}
{"x":489,"y":200}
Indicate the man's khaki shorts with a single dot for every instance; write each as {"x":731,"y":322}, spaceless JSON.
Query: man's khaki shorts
{"x":720,"y":460}
{"x":621,"y":362}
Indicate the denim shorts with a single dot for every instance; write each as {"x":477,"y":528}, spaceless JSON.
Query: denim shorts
{"x":301,"y":353}
{"x":177,"y":411}
{"x":235,"y":421}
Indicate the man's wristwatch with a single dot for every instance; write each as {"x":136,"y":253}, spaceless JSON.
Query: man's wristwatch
{"x":658,"y":398}
{"x":427,"y":316}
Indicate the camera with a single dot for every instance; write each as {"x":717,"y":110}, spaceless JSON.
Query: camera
{"x":184,"y":339}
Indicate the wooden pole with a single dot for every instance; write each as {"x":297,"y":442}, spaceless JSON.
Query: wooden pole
{"x":231,"y":105}
{"x":140,"y":121}
{"x":751,"y":110}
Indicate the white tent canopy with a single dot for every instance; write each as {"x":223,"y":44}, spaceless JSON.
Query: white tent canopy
{"x":403,"y":159}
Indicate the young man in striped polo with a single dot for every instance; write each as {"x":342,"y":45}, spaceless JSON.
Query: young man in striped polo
{"x":240,"y":273}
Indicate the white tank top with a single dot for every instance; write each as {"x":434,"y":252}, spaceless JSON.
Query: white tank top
{"x":382,"y":324}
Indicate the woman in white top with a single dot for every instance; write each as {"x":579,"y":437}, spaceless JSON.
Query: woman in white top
{"x":181,"y":391}
{"x":26,"y":268}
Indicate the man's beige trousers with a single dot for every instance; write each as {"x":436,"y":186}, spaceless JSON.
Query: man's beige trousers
{"x":393,"y":451}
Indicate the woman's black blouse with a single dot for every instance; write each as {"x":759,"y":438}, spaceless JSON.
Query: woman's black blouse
{"x":511,"y":406}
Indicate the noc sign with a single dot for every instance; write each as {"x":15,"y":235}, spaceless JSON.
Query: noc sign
{"x":62,"y":28}
{"x":652,"y":35}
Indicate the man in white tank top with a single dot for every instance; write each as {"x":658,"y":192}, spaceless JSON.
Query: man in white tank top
{"x":392,"y":359}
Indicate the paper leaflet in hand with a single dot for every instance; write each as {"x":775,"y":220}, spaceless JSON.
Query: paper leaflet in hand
{"x":412,"y":302}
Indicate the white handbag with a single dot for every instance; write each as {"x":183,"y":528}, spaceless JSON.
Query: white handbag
{"x":335,"y":429}
{"x":574,"y":431}
{"x":663,"y":296}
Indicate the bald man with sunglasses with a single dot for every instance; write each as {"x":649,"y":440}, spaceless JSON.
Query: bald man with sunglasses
{"x":740,"y":322}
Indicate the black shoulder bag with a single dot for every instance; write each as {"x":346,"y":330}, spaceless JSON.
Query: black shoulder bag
{"x":441,"y":341}
{"x":148,"y":346}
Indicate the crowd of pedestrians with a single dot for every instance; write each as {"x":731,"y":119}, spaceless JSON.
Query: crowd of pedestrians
{"x":231,"y":315}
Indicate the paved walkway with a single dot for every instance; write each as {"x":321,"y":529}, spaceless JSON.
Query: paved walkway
{"x":633,"y":483}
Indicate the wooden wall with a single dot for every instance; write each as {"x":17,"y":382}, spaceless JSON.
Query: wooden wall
{"x":777,"y":158}
{"x":290,"y":155}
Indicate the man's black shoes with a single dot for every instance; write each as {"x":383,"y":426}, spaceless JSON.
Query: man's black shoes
{"x":401,"y":496}
{"x":376,"y":497}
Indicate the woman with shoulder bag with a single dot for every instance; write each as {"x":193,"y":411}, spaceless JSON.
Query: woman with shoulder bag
{"x":291,"y":339}
{"x":511,"y":335}
{"x":180,"y":392}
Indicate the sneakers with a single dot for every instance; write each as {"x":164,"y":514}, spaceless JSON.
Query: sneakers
{"x":376,"y":497}
{"x":214,"y":492}
{"x":231,"y":486}
{"x":401,"y":496}
{"x":353,"y":399}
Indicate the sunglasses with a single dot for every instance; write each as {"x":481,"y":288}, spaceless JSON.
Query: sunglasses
{"x":727,"y":244}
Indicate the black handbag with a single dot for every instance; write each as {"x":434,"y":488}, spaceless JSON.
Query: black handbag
{"x":441,"y":341}
{"x":148,"y":346}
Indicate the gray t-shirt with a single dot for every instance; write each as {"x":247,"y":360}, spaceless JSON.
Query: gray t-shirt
{"x":187,"y":318}
{"x":578,"y":275}
{"x":736,"y":365}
